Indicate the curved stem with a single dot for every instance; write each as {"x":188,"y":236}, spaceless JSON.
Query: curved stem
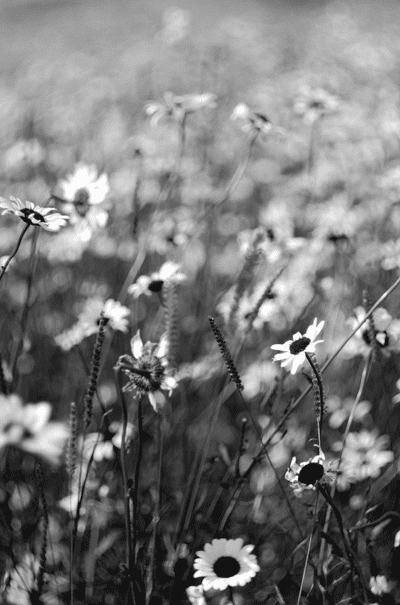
{"x":8,"y":261}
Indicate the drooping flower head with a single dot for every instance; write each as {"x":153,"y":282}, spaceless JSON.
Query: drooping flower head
{"x":150,"y":284}
{"x":250,"y":121}
{"x":304,"y":476}
{"x":47,"y":218}
{"x":147,"y":370}
{"x":178,"y":107}
{"x":225,"y":563}
{"x":294,"y":351}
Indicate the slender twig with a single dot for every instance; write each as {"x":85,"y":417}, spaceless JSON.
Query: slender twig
{"x":3,"y":269}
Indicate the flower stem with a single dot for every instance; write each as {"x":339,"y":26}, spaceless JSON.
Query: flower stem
{"x":8,"y":261}
{"x":319,"y":394}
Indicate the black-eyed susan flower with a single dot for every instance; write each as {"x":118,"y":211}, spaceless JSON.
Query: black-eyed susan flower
{"x":148,"y":370}
{"x":294,"y":351}
{"x":153,"y":283}
{"x":36,"y":216}
{"x":225,"y":563}
{"x":304,"y":476}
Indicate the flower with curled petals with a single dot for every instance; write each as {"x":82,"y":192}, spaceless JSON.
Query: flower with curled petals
{"x":148,"y":370}
{"x":47,"y":218}
{"x":304,"y":476}
{"x":225,"y":563}
{"x":294,"y":351}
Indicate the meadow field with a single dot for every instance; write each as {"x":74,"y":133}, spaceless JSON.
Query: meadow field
{"x":199,"y":303}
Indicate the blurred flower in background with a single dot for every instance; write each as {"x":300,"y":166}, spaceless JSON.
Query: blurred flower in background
{"x":178,"y":107}
{"x":169,"y":272}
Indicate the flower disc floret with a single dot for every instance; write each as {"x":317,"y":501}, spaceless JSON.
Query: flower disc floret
{"x":225,"y":563}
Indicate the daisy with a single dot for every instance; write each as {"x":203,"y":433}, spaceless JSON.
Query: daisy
{"x":304,"y":476}
{"x":294,"y":351}
{"x":225,"y":563}
{"x":311,"y":103}
{"x":363,"y":456}
{"x":33,"y":215}
{"x":379,"y":585}
{"x":178,"y":107}
{"x":115,"y":314}
{"x":148,"y":370}
{"x":386,"y":331}
{"x":149,"y":284}
{"x":27,"y":427}
{"x":82,"y":192}
{"x":250,"y":121}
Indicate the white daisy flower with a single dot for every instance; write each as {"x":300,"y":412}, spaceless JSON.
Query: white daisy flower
{"x":304,"y":476}
{"x":149,"y":284}
{"x":148,"y":370}
{"x":312,"y":103}
{"x":115,"y":314}
{"x":82,"y":192}
{"x":294,"y":351}
{"x":47,"y":218}
{"x":250,"y":121}
{"x":379,"y":585}
{"x":28,"y":428}
{"x":363,"y":456}
{"x":177,"y":107}
{"x":225,"y":563}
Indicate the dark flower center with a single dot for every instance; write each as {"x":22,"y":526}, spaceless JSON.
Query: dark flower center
{"x":317,"y":104}
{"x":31,"y":217}
{"x":146,"y":373}
{"x":226,"y":567}
{"x":156,"y":285}
{"x":298,"y":346}
{"x":311,"y":473}
{"x":381,"y":338}
{"x":81,"y":201}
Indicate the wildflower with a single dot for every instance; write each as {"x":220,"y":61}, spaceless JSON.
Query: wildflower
{"x":294,"y":351}
{"x":115,"y":314}
{"x":22,"y":580}
{"x":70,"y":338}
{"x":225,"y":563}
{"x":379,"y":585}
{"x":391,"y":255}
{"x":341,"y":409}
{"x":27,"y":427}
{"x":363,"y":456}
{"x":195,"y":594}
{"x":386,"y":330}
{"x":33,"y":215}
{"x":82,"y":192}
{"x":304,"y":476}
{"x":178,"y":107}
{"x":312,"y":103}
{"x":249,"y":120}
{"x":149,"y":284}
{"x":148,"y":370}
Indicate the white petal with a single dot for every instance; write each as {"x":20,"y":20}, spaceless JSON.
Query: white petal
{"x":137,"y":345}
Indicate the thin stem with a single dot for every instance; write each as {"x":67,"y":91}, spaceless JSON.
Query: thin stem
{"x":303,"y":577}
{"x":320,"y":395}
{"x":8,"y":261}
{"x":135,"y":493}
{"x":156,"y":513}
{"x":128,"y":528}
